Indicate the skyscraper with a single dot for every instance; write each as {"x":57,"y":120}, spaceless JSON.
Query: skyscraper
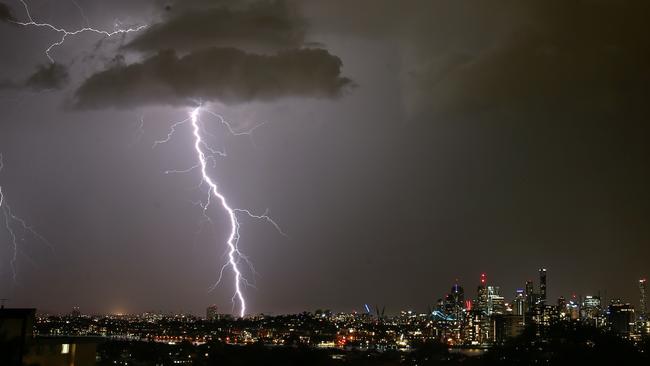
{"x":519,"y":303}
{"x":481,"y":300}
{"x":530,"y":296}
{"x":481,"y":320}
{"x":212,"y":313}
{"x":591,"y":310}
{"x":542,"y":285}
{"x":620,"y":317}
{"x":643,"y":311}
{"x":455,"y":301}
{"x":496,"y":302}
{"x":562,"y":307}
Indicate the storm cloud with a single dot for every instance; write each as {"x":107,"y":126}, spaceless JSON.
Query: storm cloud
{"x":225,"y":74}
{"x":259,"y":26}
{"x":48,"y":77}
{"x":5,"y":13}
{"x":52,"y":76}
{"x":472,"y":55}
{"x":599,"y":64}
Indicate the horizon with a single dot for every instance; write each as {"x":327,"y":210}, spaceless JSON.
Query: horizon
{"x":606,"y":299}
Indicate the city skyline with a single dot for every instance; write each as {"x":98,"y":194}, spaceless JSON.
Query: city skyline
{"x":529,"y":294}
{"x":462,"y":320}
{"x":357,"y":152}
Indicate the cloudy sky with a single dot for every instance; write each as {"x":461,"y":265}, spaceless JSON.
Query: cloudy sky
{"x":401,"y":146}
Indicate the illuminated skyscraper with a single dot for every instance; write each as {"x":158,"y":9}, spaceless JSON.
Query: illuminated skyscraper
{"x":496,"y":302}
{"x":542,"y":285}
{"x":643,"y":310}
{"x":455,"y":302}
{"x":562,"y":307}
{"x":458,"y":295}
{"x":530,"y":296}
{"x":591,"y":311}
{"x":481,"y":321}
{"x":481,"y":300}
{"x":519,"y":303}
{"x":573,"y":309}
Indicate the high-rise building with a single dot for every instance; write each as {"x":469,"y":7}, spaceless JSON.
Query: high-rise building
{"x":519,"y":303}
{"x":562,"y":307}
{"x":545,"y":315}
{"x":496,"y":302}
{"x":477,"y":328}
{"x":458,"y":295}
{"x":620,"y":317}
{"x":643,"y":311}
{"x":573,"y":309}
{"x":530,"y":296}
{"x":212,"y":313}
{"x":75,"y":313}
{"x":542,"y":285}
{"x":481,"y":298}
{"x":590,"y":310}
{"x":481,"y":320}
{"x":506,"y":326}
{"x":455,"y":302}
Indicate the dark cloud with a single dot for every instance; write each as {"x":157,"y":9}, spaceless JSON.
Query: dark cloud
{"x":48,"y":77}
{"x":52,"y":76}
{"x":568,"y":55}
{"x":260,"y":26}
{"x":474,"y":55}
{"x":225,"y":74}
{"x":5,"y":13}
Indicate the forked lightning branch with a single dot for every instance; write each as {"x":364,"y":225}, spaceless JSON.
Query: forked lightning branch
{"x":204,"y":153}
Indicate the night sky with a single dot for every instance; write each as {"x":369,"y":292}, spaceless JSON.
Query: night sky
{"x":405,"y":144}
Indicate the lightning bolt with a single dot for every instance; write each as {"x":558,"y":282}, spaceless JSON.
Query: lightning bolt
{"x":10,"y":221}
{"x":65,"y":33}
{"x":16,"y":226}
{"x":204,"y":154}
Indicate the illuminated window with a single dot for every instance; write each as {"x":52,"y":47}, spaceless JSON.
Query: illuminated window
{"x":65,"y":348}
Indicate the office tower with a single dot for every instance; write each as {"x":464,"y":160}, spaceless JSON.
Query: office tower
{"x":591,"y":311}
{"x":530,"y":296}
{"x":506,"y":326}
{"x":496,"y":302}
{"x":481,"y":320}
{"x":440,"y":305}
{"x":545,"y":315}
{"x":212,"y":313}
{"x":455,"y":302}
{"x":643,"y":311}
{"x":519,"y":303}
{"x":481,"y":298}
{"x":562,"y":307}
{"x":458,"y":295}
{"x":573,"y":309}
{"x":620,"y":317}
{"x":542,"y":285}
